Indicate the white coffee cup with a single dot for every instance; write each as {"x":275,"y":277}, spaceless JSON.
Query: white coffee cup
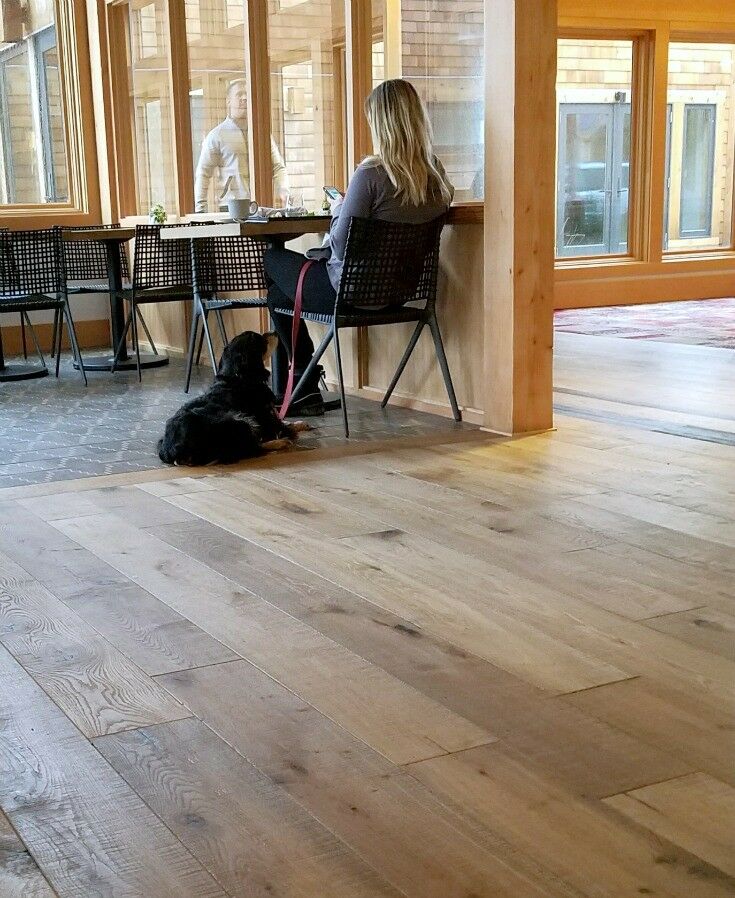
{"x":241,"y":209}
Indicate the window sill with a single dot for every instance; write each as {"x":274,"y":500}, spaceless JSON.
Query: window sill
{"x":466,"y":213}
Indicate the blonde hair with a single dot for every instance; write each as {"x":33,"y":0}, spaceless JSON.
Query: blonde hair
{"x":402,"y":137}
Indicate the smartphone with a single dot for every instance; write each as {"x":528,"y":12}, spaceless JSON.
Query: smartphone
{"x":333,"y":193}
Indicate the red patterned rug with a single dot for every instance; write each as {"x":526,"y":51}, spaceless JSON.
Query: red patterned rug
{"x":709,"y":322}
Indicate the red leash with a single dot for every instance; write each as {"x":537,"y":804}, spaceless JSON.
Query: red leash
{"x":298,"y":302}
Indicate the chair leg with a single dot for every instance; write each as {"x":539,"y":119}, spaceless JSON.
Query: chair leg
{"x":404,"y":361}
{"x":76,"y":351}
{"x":192,"y":347}
{"x":441,"y":356}
{"x":338,"y":357}
{"x":34,"y":338}
{"x":23,"y":336}
{"x":221,"y":326}
{"x":147,"y":333}
{"x":136,"y":340}
{"x":315,"y":359}
{"x":198,"y":357}
{"x":123,"y":338}
{"x":58,"y":335}
{"x":56,"y":339}
{"x":206,"y":333}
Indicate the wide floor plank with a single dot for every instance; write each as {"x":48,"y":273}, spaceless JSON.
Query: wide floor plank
{"x":500,"y":638}
{"x":88,"y":831}
{"x":696,"y":812}
{"x":256,"y":840}
{"x":706,"y":628}
{"x":419,"y":845}
{"x":387,"y":714}
{"x":19,"y":873}
{"x":675,"y":720}
{"x":96,"y":686}
{"x":578,"y":840}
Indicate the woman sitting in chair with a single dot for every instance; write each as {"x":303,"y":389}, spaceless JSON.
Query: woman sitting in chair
{"x":402,"y":182}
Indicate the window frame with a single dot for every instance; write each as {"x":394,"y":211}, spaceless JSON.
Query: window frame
{"x":640,"y":200}
{"x":83,"y":203}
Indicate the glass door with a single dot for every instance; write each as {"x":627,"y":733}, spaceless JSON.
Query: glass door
{"x":593,"y":178}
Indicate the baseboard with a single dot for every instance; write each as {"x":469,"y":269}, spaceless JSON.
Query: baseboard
{"x":91,"y":335}
{"x":375,"y":394}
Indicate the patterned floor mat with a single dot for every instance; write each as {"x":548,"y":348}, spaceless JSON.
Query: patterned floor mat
{"x":58,"y":430}
{"x":703,"y":323}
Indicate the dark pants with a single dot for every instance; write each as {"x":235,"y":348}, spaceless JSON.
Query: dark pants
{"x":282,"y":268}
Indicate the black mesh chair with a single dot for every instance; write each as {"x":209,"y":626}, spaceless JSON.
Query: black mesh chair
{"x":222,"y":266}
{"x":86,"y":264}
{"x":161,"y":273}
{"x":24,"y":343}
{"x":389,"y":277}
{"x":32,"y":279}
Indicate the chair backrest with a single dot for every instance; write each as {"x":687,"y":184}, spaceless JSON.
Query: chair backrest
{"x":86,"y":260}
{"x":31,"y":262}
{"x":160,"y":263}
{"x":390,"y":263}
{"x":228,"y":265}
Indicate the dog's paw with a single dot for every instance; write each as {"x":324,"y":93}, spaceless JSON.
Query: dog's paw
{"x":301,"y":426}
{"x":277,"y":445}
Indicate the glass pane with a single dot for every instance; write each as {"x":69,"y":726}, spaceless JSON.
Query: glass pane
{"x":21,"y":135}
{"x":696,"y":171}
{"x":594,"y":86}
{"x":32,"y":135}
{"x":700,"y":140}
{"x":219,"y":99}
{"x":583,"y":177}
{"x":305,"y":43}
{"x":54,"y":136}
{"x":438,"y":46}
{"x":151,"y":103}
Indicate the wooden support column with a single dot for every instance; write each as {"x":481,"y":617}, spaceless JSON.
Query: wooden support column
{"x":520,"y":128}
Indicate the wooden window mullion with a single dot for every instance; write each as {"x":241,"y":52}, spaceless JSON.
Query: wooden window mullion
{"x":259,"y":106}
{"x":175,"y":13}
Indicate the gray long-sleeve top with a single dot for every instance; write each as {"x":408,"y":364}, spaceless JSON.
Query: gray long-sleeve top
{"x":371,"y":195}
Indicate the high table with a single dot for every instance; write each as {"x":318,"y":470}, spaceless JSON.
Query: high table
{"x":277,"y":231}
{"x":113,"y":238}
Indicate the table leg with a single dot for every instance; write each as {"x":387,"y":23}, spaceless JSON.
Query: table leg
{"x":279,"y":368}
{"x":117,"y":306}
{"x":117,"y":321}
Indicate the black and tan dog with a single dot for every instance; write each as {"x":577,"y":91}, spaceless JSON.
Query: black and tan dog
{"x":236,"y":418}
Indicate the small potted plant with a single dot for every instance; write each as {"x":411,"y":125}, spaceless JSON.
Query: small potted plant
{"x":157,"y":214}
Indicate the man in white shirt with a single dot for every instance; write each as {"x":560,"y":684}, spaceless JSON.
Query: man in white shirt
{"x":225,"y":149}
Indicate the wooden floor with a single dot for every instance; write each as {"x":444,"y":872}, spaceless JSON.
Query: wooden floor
{"x":462,"y":671}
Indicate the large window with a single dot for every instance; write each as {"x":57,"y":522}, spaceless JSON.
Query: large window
{"x":700,"y":146}
{"x":438,"y":46}
{"x":151,"y":107}
{"x":306,"y":46}
{"x":33,"y":159}
{"x":220,"y":101}
{"x":594,"y":85}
